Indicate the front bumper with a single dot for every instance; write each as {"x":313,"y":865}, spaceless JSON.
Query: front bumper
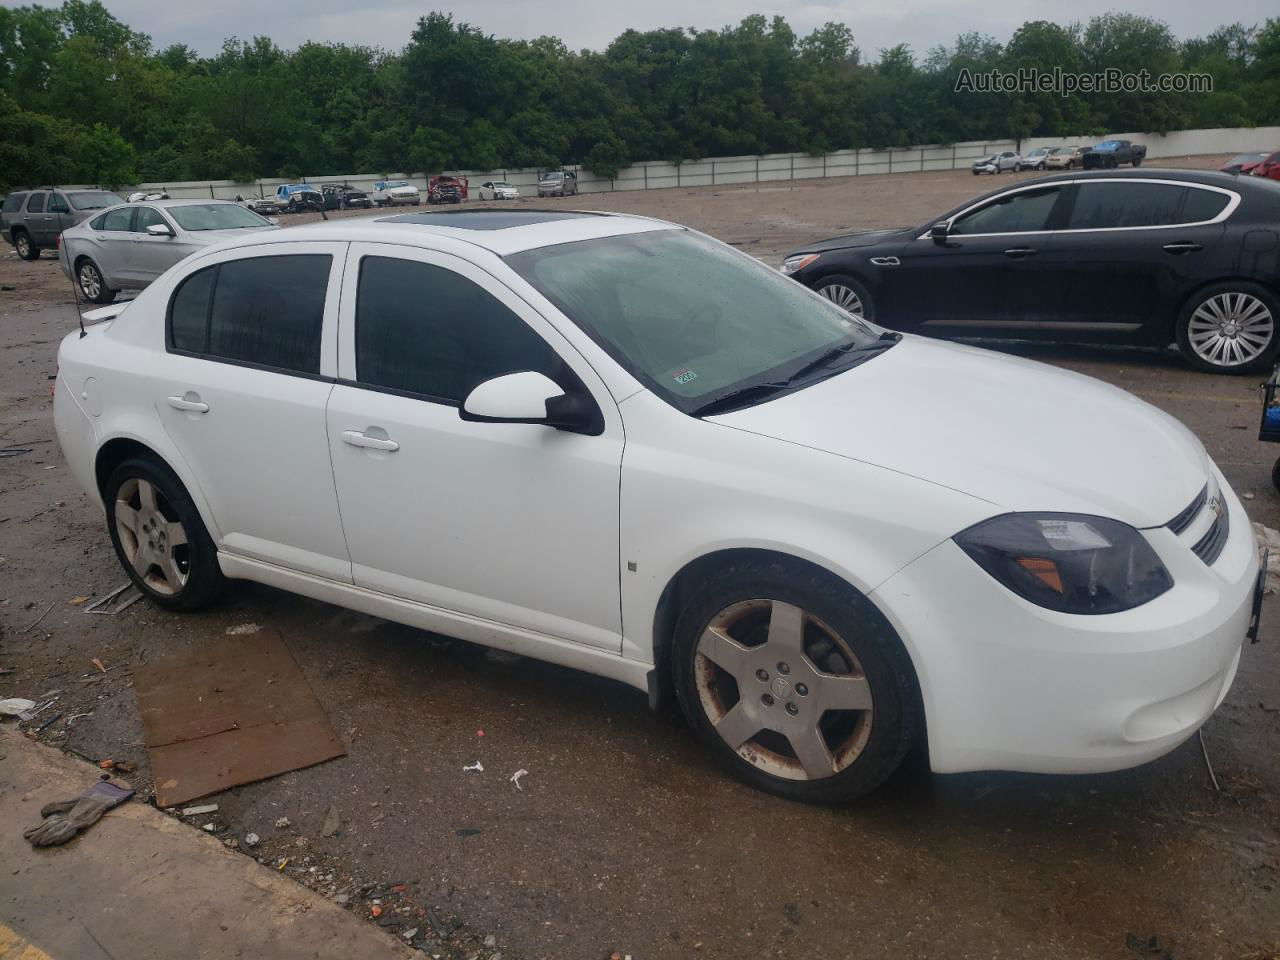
{"x":1008,"y":685}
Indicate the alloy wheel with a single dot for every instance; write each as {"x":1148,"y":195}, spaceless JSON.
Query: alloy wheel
{"x":153,"y":544}
{"x":783,"y":690}
{"x":1231,"y":329}
{"x":845,"y":297}
{"x":90,"y":281}
{"x":24,"y":246}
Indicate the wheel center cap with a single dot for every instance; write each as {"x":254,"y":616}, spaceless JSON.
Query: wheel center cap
{"x":781,"y":688}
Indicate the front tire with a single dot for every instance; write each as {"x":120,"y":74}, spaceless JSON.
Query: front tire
{"x":795,"y":681}
{"x":847,"y":293}
{"x":1137,"y":162}
{"x":159,"y":537}
{"x":92,"y":284}
{"x":1230,"y":327}
{"x":26,"y":249}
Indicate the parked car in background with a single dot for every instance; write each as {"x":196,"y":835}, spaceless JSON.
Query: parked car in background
{"x":498,"y":190}
{"x":997,"y":163}
{"x":1269,"y":167}
{"x":297,"y":197}
{"x":1065,"y":158}
{"x":1118,"y":257}
{"x":558,"y":183}
{"x":446,"y":189}
{"x":128,"y":246}
{"x":831,"y":542}
{"x":266,"y":206}
{"x":390,"y":193}
{"x":1110,"y":154}
{"x":32,"y":219}
{"x":1035,"y":159}
{"x":1243,"y":163}
{"x":139,"y":195}
{"x":340,"y":196}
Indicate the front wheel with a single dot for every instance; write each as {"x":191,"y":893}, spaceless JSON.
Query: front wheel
{"x":848,"y":294}
{"x":26,"y":249}
{"x":1017,"y":168}
{"x":159,"y":537}
{"x":1230,"y":328}
{"x":1137,"y":162}
{"x":92,"y":284}
{"x":795,"y":681}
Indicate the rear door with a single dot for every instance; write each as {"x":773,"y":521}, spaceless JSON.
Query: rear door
{"x":41,"y":225}
{"x":1132,"y":252}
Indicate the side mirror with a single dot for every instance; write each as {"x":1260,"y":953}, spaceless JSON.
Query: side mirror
{"x":530,"y":397}
{"x":160,"y":230}
{"x":938,"y":232}
{"x":274,"y":221}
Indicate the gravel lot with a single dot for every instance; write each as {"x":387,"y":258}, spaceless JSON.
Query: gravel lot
{"x":624,"y":837}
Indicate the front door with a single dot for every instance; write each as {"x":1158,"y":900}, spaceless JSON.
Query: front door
{"x":150,"y":256}
{"x":515,"y":523}
{"x":115,"y":236}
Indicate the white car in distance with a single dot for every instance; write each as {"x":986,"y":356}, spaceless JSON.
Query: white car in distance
{"x":391,"y":193}
{"x":498,"y":190}
{"x":619,"y":445}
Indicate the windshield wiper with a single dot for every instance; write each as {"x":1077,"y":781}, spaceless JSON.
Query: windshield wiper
{"x":743,"y":397}
{"x":883,"y":342}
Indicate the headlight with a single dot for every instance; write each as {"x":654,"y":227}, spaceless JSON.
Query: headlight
{"x":792,"y":264}
{"x":1068,"y":562}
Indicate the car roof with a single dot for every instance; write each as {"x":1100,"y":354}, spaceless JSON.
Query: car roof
{"x":500,"y":231}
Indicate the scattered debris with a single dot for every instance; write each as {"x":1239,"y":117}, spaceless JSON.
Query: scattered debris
{"x":202,"y":808}
{"x":63,"y":819}
{"x":6,"y":671}
{"x":243,"y":629}
{"x":28,"y":715}
{"x":1269,"y":540}
{"x":36,"y":622}
{"x":332,"y":822}
{"x":15,"y":706}
{"x":13,"y":451}
{"x":1247,"y":495}
{"x":490,"y":941}
{"x":468,"y":832}
{"x":117,"y":601}
{"x":78,"y":601}
{"x":410,"y":933}
{"x":251,"y":840}
{"x":209,"y":828}
{"x":1204,"y":750}
{"x":479,"y":733}
{"x":282,"y":823}
{"x":98,"y":663}
{"x":375,"y":910}
{"x":49,"y":723}
{"x":78,"y":716}
{"x":475,"y":766}
{"x":515,"y":777}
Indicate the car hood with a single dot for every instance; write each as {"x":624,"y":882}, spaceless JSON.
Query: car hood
{"x":859,"y":238}
{"x":990,"y":159}
{"x":1018,"y":434}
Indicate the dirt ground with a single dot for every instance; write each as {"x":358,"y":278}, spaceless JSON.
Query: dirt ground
{"x":624,"y":836}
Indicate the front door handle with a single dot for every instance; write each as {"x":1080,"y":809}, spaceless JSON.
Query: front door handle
{"x":1017,"y":253}
{"x":189,"y":404}
{"x":358,"y":439}
{"x":1181,"y":247}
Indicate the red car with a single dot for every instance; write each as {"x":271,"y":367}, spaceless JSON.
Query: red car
{"x":447,"y":189}
{"x":1243,"y":163}
{"x":1269,"y":167}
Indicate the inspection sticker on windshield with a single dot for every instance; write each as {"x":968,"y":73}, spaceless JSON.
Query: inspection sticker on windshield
{"x":683,"y":375}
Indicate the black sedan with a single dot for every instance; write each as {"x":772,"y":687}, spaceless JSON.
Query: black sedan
{"x":1145,"y":257}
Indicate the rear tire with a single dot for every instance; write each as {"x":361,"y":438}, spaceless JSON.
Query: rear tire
{"x":1230,"y":327}
{"x":847,"y":293}
{"x":1137,"y":162}
{"x":26,"y":249}
{"x":159,"y":537}
{"x":803,"y":672}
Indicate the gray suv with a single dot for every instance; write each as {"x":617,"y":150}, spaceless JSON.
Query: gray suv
{"x":32,"y":219}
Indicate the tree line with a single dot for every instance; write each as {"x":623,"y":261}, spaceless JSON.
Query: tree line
{"x":86,"y":98}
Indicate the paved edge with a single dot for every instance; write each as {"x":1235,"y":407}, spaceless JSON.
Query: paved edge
{"x":140,"y":884}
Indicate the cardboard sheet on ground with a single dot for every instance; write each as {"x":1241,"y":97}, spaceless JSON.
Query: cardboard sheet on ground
{"x":228,"y":713}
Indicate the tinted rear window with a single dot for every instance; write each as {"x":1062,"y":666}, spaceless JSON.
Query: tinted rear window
{"x":1120,"y":204}
{"x":264,"y":311}
{"x":36,"y":203}
{"x":1202,"y":205}
{"x":13,"y":202}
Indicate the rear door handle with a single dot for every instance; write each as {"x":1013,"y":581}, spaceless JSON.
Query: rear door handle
{"x":1182,"y":246}
{"x":191,"y":406}
{"x":1017,"y":253}
{"x":358,"y":439}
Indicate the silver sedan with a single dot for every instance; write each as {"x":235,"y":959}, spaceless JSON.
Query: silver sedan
{"x":128,"y":246}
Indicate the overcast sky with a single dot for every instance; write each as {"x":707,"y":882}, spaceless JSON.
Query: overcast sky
{"x":593,"y":23}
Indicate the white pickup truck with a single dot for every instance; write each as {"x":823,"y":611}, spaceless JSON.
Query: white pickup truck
{"x":388,"y":193}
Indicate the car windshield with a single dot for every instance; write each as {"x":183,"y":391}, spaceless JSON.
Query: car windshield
{"x":398,"y":183}
{"x":502,"y":185}
{"x":1246,"y":158}
{"x":93,"y":199}
{"x":1038,"y":151}
{"x":215,"y":216}
{"x":691,"y":318}
{"x":553,"y":176}
{"x":1108,"y":145}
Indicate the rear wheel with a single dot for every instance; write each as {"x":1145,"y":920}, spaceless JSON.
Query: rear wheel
{"x":846,"y":292}
{"x":1230,"y":327}
{"x":795,"y":681}
{"x":159,"y":537}
{"x":26,"y":249}
{"x":92,"y":284}
{"x":1137,"y":161}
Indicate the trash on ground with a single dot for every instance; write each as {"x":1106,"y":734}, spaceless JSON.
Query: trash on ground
{"x":36,"y":622}
{"x":282,"y":823}
{"x":1269,"y":540}
{"x":28,"y":715}
{"x":98,"y":663}
{"x":332,"y":821}
{"x":78,"y":601}
{"x":15,"y":706}
{"x":243,"y":630}
{"x":13,"y":451}
{"x":117,"y":601}
{"x":78,"y":716}
{"x":475,"y":766}
{"x":251,"y":840}
{"x":376,"y":910}
{"x":467,"y":832}
{"x":123,"y":766}
{"x":197,"y":810}
{"x":210,"y":828}
{"x":63,"y":819}
{"x":410,"y":933}
{"x":227,"y":713}
{"x":515,"y":777}
{"x":49,"y":723}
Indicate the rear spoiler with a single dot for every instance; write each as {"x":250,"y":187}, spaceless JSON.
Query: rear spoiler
{"x":105,"y":313}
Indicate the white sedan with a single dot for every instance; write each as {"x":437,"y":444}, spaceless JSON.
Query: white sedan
{"x":620,"y":445}
{"x":498,"y":190}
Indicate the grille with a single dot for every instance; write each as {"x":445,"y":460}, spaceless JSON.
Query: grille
{"x":1187,"y":516}
{"x":1209,"y":547}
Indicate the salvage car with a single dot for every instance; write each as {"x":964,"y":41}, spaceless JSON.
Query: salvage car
{"x":498,"y":190}
{"x":446,"y":189}
{"x":389,"y":193}
{"x":298,"y":198}
{"x":423,"y":416}
{"x":1243,"y":163}
{"x":32,"y":219}
{"x":128,"y":246}
{"x":997,"y":163}
{"x":1110,"y":154}
{"x":1035,"y":159}
{"x":1065,"y":158}
{"x":558,"y":183}
{"x":340,"y":196}
{"x":1126,"y":257}
{"x":1269,"y":167}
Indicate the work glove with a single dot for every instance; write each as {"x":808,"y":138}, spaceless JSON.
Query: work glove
{"x":63,"y":819}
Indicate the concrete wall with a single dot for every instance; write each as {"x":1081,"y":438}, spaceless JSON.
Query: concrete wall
{"x":656,"y":175}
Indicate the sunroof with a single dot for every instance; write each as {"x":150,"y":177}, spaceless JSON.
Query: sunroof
{"x":487,"y":219}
